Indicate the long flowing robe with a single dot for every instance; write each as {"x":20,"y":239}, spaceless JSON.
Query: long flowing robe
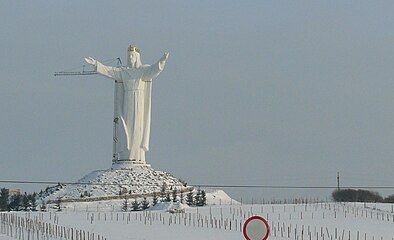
{"x":133,"y":89}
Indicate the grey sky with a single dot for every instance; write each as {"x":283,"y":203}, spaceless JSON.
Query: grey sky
{"x":254,"y":92}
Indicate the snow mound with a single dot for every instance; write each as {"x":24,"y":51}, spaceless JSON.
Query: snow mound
{"x":218,"y":197}
{"x":109,"y":184}
{"x":172,"y":207}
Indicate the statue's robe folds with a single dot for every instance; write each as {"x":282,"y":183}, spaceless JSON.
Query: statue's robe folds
{"x":133,"y":88}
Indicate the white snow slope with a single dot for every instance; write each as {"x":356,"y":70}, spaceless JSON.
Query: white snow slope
{"x":222,"y":218}
{"x":104,"y":220}
{"x":107,"y":183}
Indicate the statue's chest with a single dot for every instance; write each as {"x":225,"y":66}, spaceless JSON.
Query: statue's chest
{"x":132,"y":80}
{"x":134,"y":85}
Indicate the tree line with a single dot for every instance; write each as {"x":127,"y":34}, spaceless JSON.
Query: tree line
{"x":28,"y":201}
{"x":192,"y":198}
{"x":360,"y":195}
{"x":18,"y":202}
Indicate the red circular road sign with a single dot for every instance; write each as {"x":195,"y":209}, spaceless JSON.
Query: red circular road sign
{"x":256,"y":228}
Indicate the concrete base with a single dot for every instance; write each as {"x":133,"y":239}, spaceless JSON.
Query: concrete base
{"x":128,"y":165}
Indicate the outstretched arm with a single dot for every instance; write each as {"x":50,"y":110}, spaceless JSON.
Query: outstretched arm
{"x":154,"y":70}
{"x":107,"y":71}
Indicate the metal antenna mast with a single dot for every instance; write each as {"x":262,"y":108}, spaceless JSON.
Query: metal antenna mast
{"x":116,"y":118}
{"x":83,"y":72}
{"x":69,"y":73}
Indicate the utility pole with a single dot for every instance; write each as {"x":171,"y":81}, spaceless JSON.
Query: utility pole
{"x":338,"y":181}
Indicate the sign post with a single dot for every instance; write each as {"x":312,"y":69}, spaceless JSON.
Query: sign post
{"x":256,"y":228}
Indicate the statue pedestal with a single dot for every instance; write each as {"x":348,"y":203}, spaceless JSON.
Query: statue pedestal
{"x":128,"y":165}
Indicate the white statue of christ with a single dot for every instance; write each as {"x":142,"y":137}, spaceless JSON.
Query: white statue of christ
{"x":132,"y":114}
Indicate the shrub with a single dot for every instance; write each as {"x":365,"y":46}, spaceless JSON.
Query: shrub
{"x":389,"y":199}
{"x":353,"y":195}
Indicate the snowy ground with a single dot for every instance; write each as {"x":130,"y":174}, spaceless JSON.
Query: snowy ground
{"x":312,"y":221}
{"x":222,"y":218}
{"x":110,"y":182}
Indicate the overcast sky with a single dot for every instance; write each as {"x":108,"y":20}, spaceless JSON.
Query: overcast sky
{"x":254,"y":92}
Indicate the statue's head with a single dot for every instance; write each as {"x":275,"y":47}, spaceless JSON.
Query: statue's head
{"x":133,"y":57}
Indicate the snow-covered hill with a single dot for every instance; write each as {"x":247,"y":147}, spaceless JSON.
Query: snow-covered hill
{"x":108,"y":184}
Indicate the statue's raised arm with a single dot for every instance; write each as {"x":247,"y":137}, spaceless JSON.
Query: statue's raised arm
{"x":107,"y":71}
{"x":154,"y":70}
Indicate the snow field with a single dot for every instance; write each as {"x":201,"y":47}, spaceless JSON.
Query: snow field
{"x":343,"y":221}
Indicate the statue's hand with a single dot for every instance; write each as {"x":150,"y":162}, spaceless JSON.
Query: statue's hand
{"x":162,"y":61}
{"x":164,"y":58}
{"x":91,"y":61}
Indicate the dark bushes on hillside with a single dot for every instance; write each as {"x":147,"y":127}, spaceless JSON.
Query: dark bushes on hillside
{"x":389,"y":199}
{"x":356,"y":195}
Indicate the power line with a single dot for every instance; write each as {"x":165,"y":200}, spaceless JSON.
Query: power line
{"x":203,"y":185}
{"x":292,"y":187}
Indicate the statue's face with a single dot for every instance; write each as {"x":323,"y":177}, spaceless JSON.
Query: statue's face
{"x":133,"y":56}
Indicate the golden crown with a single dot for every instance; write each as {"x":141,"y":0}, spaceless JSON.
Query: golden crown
{"x":132,"y":49}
